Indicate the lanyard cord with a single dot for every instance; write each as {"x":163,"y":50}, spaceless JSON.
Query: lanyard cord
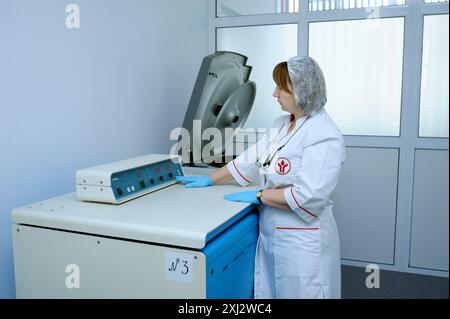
{"x":270,"y":142}
{"x":268,"y":160}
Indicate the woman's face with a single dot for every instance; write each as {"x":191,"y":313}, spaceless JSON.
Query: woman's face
{"x":285,"y":99}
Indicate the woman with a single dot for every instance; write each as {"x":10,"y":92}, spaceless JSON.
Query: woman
{"x":298,"y":246}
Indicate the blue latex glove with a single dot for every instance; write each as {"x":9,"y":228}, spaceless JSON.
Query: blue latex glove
{"x":195,"y":181}
{"x":244,"y":197}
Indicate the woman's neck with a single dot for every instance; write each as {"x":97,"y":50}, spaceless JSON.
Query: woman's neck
{"x":298,"y":115}
{"x":294,"y":118}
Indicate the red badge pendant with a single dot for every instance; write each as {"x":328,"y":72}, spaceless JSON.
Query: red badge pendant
{"x":283,"y":166}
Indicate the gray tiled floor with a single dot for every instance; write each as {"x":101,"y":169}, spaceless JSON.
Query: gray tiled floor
{"x":393,"y":285}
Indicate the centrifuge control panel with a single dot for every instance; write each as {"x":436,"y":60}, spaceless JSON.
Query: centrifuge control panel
{"x":141,"y":179}
{"x":122,"y":181}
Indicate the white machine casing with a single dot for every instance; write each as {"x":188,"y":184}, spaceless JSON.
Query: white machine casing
{"x":176,"y":242}
{"x":94,"y":183}
{"x":125,"y":251}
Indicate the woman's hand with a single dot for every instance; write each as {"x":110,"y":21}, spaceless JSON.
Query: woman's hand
{"x":244,"y":197}
{"x":270,"y":197}
{"x":195,"y":181}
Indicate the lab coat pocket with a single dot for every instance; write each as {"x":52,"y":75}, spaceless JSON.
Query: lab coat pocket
{"x":298,"y":271}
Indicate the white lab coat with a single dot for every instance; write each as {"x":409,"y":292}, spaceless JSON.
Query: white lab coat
{"x":297,"y":253}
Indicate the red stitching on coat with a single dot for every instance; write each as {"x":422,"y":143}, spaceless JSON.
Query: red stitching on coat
{"x":299,"y":204}
{"x":293,"y":228}
{"x":241,"y":174}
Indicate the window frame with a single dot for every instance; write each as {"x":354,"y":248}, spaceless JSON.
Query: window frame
{"x":413,"y":12}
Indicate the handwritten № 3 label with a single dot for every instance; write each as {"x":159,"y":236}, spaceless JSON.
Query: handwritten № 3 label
{"x":179,"y":266}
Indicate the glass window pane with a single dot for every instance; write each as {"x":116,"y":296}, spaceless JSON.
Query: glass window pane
{"x":229,"y":8}
{"x":265,"y":47}
{"x":324,"y":5}
{"x":434,"y":94}
{"x":362,"y":63}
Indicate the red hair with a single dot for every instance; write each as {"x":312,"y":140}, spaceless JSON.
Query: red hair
{"x":280,"y":75}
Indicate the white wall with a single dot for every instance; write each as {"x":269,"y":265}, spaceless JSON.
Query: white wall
{"x":112,"y":89}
